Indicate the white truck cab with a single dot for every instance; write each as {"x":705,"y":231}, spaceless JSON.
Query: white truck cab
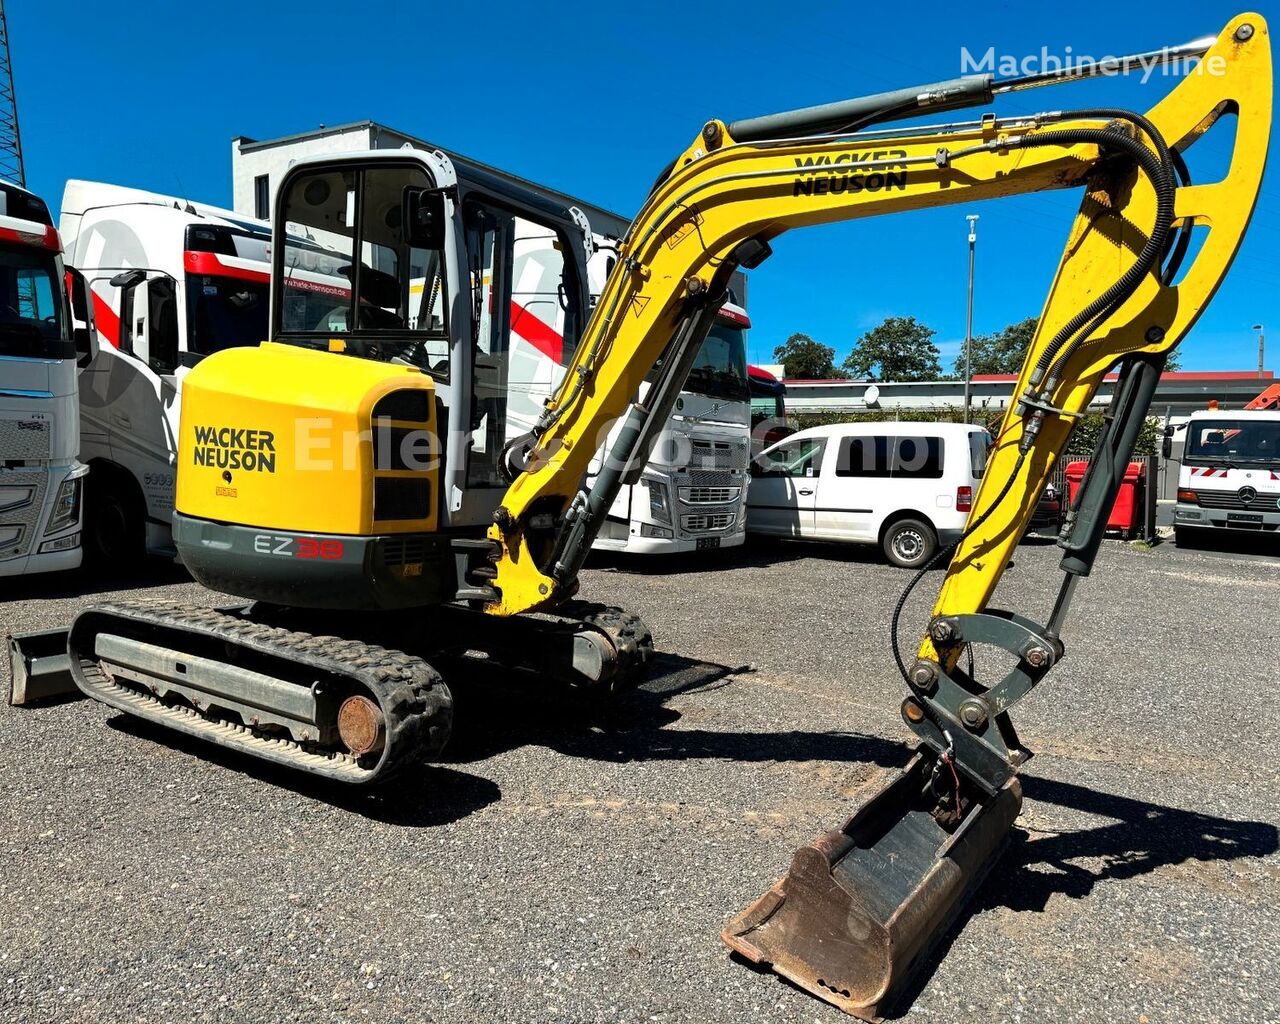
{"x":171,"y":281}
{"x":690,"y":495}
{"x":1230,"y":474}
{"x":40,"y":477}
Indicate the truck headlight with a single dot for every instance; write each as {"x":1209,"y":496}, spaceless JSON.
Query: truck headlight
{"x":66,"y":506}
{"x":659,"y":501}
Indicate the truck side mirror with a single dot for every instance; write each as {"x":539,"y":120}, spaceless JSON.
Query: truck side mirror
{"x":128,"y":278}
{"x":423,"y":218}
{"x":1166,"y":447}
{"x":83,"y":339}
{"x":82,"y":333}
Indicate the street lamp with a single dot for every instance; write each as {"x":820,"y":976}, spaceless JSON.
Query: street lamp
{"x":972,"y":218}
{"x":1261,"y":346}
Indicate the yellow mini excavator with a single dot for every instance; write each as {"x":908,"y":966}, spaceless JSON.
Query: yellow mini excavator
{"x":363,"y":479}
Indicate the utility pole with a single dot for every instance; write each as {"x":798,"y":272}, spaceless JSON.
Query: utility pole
{"x":10,"y":141}
{"x":1261,"y":347}
{"x":968,"y":327}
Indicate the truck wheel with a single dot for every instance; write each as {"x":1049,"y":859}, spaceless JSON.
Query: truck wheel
{"x":1182,"y":538}
{"x":909,"y":543}
{"x":114,"y":529}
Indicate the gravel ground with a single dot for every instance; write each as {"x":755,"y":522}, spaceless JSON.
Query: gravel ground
{"x":560,"y":867}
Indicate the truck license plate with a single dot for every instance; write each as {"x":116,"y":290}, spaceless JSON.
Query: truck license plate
{"x":1244,"y":518}
{"x":708,"y":542}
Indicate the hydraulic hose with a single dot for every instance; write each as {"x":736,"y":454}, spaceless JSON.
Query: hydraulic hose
{"x":1183,"y":243}
{"x":944,"y":553}
{"x":1153,"y":251}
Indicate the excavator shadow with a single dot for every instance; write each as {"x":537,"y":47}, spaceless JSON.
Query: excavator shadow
{"x":150,"y":572}
{"x":430,"y":796}
{"x":496,"y":713}
{"x":635,"y":726}
{"x":758,"y":552}
{"x":1142,"y":837}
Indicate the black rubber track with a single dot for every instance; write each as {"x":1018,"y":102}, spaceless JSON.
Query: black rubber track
{"x":628,"y":634}
{"x":414,"y":699}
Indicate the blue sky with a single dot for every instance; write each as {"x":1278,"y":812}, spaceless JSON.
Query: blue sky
{"x":595,"y":99}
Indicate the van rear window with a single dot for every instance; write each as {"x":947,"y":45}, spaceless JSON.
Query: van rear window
{"x":980,"y":443}
{"x":918,"y":458}
{"x":905,"y":458}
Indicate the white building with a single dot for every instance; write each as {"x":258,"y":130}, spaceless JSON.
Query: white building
{"x":1179,"y":392}
{"x":258,"y":165}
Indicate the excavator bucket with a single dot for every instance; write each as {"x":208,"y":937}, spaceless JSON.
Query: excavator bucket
{"x":861,"y":906}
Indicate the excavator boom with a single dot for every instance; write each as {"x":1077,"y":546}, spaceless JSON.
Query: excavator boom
{"x":861,"y":906}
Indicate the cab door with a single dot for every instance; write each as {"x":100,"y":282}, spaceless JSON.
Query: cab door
{"x":784,"y":487}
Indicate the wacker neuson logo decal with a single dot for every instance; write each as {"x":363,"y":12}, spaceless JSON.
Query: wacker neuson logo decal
{"x":851,"y":172}
{"x":236,"y":448}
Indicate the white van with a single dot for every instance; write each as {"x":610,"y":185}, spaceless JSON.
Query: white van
{"x":905,"y":486}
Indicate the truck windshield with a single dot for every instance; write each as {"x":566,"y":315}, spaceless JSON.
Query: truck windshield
{"x":224,"y":312}
{"x":1233,"y":441}
{"x":720,"y":369}
{"x":33,"y":314}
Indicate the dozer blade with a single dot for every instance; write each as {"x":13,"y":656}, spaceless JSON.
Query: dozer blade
{"x":861,"y":906}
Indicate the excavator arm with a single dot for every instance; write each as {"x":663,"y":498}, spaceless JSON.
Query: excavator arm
{"x":861,"y":904}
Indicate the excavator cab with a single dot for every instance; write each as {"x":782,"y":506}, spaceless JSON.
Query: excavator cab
{"x":407,"y":294}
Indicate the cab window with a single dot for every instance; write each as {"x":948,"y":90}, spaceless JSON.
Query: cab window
{"x":795,"y":458}
{"x":524,"y":318}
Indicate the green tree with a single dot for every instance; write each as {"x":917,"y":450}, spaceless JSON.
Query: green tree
{"x":1085,"y":433}
{"x":900,"y":348}
{"x":1002,"y":352}
{"x":802,"y":358}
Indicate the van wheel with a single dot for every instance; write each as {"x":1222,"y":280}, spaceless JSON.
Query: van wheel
{"x":114,"y":531}
{"x":909,"y":543}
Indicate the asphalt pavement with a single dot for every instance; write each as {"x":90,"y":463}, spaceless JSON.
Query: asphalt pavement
{"x":572,"y":865}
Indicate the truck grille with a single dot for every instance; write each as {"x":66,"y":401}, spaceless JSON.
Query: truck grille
{"x":707,"y":522}
{"x":717,"y":454}
{"x":709,"y":495}
{"x":25,"y":440}
{"x":1230,"y":499}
